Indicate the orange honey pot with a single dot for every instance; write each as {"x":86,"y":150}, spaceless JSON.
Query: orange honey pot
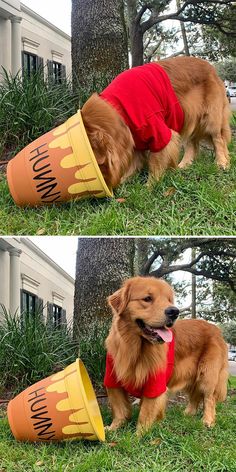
{"x":62,"y":406}
{"x":58,"y":166}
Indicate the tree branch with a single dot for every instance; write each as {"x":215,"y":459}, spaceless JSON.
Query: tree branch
{"x":155,"y":18}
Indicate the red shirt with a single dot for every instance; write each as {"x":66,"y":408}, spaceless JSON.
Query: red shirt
{"x":155,"y":384}
{"x":146,"y":100}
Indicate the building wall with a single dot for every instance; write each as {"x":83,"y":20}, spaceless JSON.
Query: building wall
{"x":21,"y":29}
{"x":40,"y":38}
{"x":38,"y":274}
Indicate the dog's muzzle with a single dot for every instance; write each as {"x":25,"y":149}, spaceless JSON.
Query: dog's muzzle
{"x":172,"y":313}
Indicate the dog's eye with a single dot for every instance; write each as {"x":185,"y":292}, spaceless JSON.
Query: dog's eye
{"x":147,"y":299}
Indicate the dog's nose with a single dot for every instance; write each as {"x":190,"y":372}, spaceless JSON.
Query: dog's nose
{"x":172,"y":312}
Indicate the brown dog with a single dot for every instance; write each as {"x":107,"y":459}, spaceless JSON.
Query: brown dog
{"x":138,"y":343}
{"x":202,"y":98}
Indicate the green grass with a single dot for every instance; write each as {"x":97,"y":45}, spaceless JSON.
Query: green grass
{"x":198,"y":201}
{"x":178,"y":444}
{"x":232,"y":381}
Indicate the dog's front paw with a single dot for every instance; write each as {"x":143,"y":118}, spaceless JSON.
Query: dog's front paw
{"x":116,"y":424}
{"x":223,"y":164}
{"x":151,"y":182}
{"x":109,"y":428}
{"x":209,"y":422}
{"x":184,"y":164}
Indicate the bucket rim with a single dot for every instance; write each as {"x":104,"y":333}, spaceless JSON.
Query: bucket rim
{"x":80,"y":363}
{"x":108,"y":191}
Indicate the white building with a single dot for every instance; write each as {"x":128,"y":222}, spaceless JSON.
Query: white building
{"x":30,"y":280}
{"x":29,"y":41}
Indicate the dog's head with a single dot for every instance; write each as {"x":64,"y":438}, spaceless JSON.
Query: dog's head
{"x":110,"y":138}
{"x":148,"y":304}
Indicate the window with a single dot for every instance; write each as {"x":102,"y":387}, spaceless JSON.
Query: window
{"x":57,"y":72}
{"x":28,"y":304}
{"x":57,"y":316}
{"x":29,"y":63}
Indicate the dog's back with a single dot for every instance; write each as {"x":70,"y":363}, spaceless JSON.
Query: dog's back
{"x":202,"y":96}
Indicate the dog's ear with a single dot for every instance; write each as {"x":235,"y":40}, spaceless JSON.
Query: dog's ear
{"x":118,"y":301}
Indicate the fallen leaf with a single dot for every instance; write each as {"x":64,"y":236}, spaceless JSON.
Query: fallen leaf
{"x":155,"y":442}
{"x":170,"y":191}
{"x":121,"y":200}
{"x":112,"y":444}
{"x":41,"y":231}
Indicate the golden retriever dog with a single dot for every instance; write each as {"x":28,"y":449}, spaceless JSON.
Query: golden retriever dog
{"x":136,"y":119}
{"x":143,"y":332}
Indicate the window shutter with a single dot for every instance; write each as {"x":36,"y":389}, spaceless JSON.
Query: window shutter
{"x":63,"y":72}
{"x":50,"y":315}
{"x":39,"y":64}
{"x":21,"y":300}
{"x":63,"y":318}
{"x":39,"y":308}
{"x":50,"y":69}
{"x":22,"y":61}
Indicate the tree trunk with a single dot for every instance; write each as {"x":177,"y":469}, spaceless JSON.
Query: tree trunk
{"x":142,"y":250}
{"x":194,"y":287}
{"x":136,"y":45}
{"x":135,"y":34}
{"x":183,"y":31}
{"x":99,"y":42}
{"x":102,"y":264}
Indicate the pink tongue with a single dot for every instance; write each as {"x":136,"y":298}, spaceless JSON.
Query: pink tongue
{"x":165,"y":334}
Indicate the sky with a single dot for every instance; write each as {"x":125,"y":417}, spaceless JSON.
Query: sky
{"x":61,"y":249}
{"x":58,"y":12}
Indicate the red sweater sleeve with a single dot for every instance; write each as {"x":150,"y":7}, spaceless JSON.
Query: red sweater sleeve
{"x":110,"y":380}
{"x":155,"y":133}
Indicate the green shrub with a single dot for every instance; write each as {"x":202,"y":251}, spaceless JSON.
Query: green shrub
{"x":92,"y":349}
{"x":31,"y":350}
{"x":30,"y":107}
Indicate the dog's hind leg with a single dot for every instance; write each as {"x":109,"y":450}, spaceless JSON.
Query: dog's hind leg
{"x":195,"y":399}
{"x":221,"y":150}
{"x":219,"y":129}
{"x":207,"y":380}
{"x":209,"y":410}
{"x":191,"y":151}
{"x":159,"y":162}
{"x":151,"y":410}
{"x":121,"y":407}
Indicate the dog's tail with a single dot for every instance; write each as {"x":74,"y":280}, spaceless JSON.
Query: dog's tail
{"x":225,"y":127}
{"x":221,"y":388}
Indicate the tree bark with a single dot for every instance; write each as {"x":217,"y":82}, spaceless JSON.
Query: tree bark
{"x":183,"y":31}
{"x":99,"y":42}
{"x":142,"y":254}
{"x":194,"y":287}
{"x":102,"y":265}
{"x":135,"y":34}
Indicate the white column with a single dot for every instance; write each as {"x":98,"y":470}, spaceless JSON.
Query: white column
{"x":15,"y":285}
{"x":4,"y":278}
{"x":16,"y":44}
{"x":5,"y":44}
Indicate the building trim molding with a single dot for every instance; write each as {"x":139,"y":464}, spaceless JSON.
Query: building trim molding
{"x":29,"y":45}
{"x":47,"y":259}
{"x":29,"y":284}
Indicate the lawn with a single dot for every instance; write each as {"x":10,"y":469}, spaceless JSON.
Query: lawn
{"x":197,"y":201}
{"x":177,"y":444}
